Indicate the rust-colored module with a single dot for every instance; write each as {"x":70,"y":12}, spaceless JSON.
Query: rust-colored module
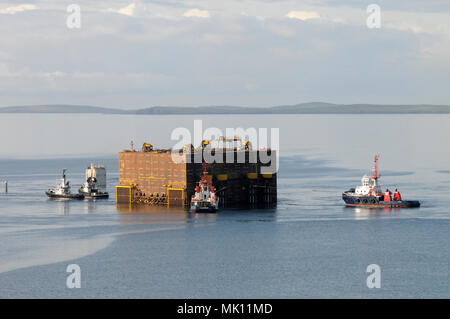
{"x":243,"y":178}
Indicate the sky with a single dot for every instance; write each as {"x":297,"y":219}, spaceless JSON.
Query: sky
{"x":141,"y":53}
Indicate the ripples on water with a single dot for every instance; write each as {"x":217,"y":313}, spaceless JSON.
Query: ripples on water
{"x":309,"y":246}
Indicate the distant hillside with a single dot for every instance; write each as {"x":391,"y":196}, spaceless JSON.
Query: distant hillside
{"x":304,"y":108}
{"x":328,"y":108}
{"x":60,"y":109}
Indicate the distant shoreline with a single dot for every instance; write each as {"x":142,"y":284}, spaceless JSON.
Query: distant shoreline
{"x":303,"y":108}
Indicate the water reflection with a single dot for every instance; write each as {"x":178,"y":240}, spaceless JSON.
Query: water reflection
{"x":148,"y":209}
{"x":90,"y":206}
{"x":62,"y":206}
{"x":202,"y":217}
{"x":362,"y":213}
{"x":152,"y":214}
{"x":160,"y":214}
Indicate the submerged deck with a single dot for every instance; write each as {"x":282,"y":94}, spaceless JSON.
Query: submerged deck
{"x":241,"y":178}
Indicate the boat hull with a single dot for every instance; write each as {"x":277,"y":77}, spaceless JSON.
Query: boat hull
{"x":95,"y":195}
{"x":51,"y":195}
{"x":210,"y":209}
{"x":376,"y":202}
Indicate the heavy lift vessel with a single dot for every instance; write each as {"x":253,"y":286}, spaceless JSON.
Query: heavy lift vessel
{"x":240,"y":176}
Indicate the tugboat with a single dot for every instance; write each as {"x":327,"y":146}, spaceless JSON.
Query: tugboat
{"x":62,"y":190}
{"x":91,"y":190}
{"x":369,"y":194}
{"x":204,"y":200}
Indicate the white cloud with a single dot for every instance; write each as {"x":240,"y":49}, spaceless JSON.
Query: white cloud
{"x":19,"y":8}
{"x":197,"y":13}
{"x":303,"y":15}
{"x":404,"y":27}
{"x":128,"y":10}
{"x":410,"y":44}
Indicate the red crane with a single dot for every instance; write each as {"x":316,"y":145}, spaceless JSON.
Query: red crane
{"x":205,"y":177}
{"x":375,"y":168}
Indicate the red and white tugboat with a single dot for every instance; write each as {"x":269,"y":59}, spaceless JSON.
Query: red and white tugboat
{"x":205,"y":199}
{"x":369,"y":194}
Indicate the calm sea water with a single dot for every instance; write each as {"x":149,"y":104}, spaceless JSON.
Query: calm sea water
{"x":309,"y":246}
